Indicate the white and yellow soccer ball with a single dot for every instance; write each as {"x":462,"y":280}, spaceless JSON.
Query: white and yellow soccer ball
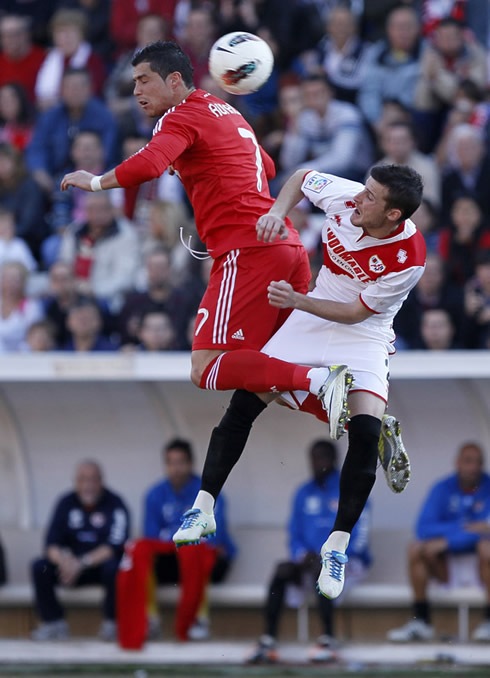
{"x":240,"y":62}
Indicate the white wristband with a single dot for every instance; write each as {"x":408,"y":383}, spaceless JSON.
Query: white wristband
{"x":95,"y":183}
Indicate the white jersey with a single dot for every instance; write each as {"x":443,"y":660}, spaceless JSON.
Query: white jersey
{"x":379,"y":271}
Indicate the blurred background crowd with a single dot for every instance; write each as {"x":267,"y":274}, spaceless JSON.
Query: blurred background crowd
{"x":354,"y":83}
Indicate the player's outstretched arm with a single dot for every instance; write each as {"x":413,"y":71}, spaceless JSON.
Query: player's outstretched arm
{"x":84,"y":180}
{"x":272,"y":224}
{"x":282,"y":295}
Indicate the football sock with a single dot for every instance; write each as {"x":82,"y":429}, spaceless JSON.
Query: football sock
{"x":421,"y":610}
{"x":257,"y":372}
{"x":228,"y":440}
{"x":204,"y":502}
{"x":358,"y":471}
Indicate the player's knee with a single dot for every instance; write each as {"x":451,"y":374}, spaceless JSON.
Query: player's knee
{"x":483,"y":550}
{"x":196,"y":375}
{"x":415,"y":550}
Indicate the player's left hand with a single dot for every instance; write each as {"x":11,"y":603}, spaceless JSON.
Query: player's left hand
{"x":269,"y":227}
{"x":79,"y":179}
{"x":281,"y":294}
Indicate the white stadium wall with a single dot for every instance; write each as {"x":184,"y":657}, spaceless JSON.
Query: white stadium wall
{"x":56,"y":410}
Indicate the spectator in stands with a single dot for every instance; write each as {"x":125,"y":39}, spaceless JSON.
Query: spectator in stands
{"x":477,"y":303}
{"x":460,"y":241}
{"x":399,"y":147}
{"x":16,"y":120}
{"x":20,"y":194}
{"x":437,"y":330}
{"x":126,"y":14}
{"x":87,"y":152}
{"x":453,"y":521}
{"x":49,"y":151}
{"x":290,"y":105}
{"x":84,"y":544}
{"x":17,"y":311}
{"x":426,"y":217}
{"x":40,"y":337}
{"x":156,"y":332}
{"x":165,"y":503}
{"x":431,"y":292}
{"x":197,"y":38}
{"x":313,"y":513}
{"x":392,"y":67}
{"x":468,"y":170}
{"x":159,"y":295}
{"x":84,"y":322}
{"x":444,"y":65}
{"x":103,"y":251}
{"x":341,"y":54}
{"x":11,"y":247}
{"x":97,"y":15}
{"x":61,"y":296}
{"x":119,"y":86}
{"x":20,"y":60}
{"x":330,"y":134}
{"x":70,"y":50}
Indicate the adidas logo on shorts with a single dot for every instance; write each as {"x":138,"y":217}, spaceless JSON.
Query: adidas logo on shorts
{"x":238,"y":335}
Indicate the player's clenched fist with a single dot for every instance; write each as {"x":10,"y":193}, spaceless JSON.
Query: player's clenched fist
{"x":269,"y":226}
{"x":79,"y":179}
{"x":281,"y":294}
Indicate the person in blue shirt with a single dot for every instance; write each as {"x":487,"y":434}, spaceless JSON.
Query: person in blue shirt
{"x":165,"y":503}
{"x":84,"y":544}
{"x":454,"y":519}
{"x":313,"y":515}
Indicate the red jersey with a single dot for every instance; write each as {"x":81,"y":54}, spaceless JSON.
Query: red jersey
{"x":222,"y":167}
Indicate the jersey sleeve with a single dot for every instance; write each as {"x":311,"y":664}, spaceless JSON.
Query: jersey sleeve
{"x":153,"y":159}
{"x":390,"y":290}
{"x":322,"y":189}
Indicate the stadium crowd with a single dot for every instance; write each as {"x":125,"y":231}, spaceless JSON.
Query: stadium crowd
{"x":354,"y":83}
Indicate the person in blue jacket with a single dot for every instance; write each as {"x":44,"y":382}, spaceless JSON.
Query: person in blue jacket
{"x":313,"y":515}
{"x":164,"y":505}
{"x":454,"y":519}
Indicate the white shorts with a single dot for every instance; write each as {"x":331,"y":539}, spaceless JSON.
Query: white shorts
{"x":307,"y":339}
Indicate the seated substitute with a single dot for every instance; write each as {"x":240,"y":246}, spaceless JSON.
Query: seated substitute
{"x":313,"y":512}
{"x":84,"y":545}
{"x":165,"y":503}
{"x":454,"y":520}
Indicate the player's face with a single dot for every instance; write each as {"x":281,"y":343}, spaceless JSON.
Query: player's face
{"x":178,"y":467}
{"x":372,"y":213}
{"x":154,"y":95}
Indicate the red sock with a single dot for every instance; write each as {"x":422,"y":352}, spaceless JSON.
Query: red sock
{"x":255,"y":372}
{"x":312,"y":405}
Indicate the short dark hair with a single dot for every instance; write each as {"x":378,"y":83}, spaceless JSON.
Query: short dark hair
{"x":325,"y":447}
{"x":404,"y":186}
{"x":165,"y":57}
{"x":182,"y":445}
{"x":450,"y":21}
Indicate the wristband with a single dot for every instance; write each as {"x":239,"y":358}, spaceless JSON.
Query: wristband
{"x":95,"y":183}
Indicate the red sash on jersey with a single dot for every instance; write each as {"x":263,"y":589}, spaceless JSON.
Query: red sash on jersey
{"x":134,"y":590}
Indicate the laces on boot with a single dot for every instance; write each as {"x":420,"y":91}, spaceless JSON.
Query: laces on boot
{"x":335,"y":563}
{"x":189,"y":519}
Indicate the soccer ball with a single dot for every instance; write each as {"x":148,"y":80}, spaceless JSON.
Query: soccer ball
{"x":240,"y":62}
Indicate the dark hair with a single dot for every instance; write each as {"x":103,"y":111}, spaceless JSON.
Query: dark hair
{"x":450,"y":21}
{"x":72,"y":70}
{"x":165,"y":57}
{"x":317,"y":77}
{"x":84,"y":302}
{"x":25,"y":112}
{"x":404,"y":125}
{"x":483,"y":258}
{"x":325,"y":447}
{"x":182,"y":445}
{"x":404,"y":186}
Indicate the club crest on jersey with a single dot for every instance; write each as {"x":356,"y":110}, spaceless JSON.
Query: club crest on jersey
{"x":317,"y":183}
{"x":401,"y":256}
{"x":376,"y":265}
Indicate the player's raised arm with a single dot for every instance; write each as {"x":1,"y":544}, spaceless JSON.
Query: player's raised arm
{"x":272,"y":224}
{"x":282,"y":295}
{"x":90,"y":182}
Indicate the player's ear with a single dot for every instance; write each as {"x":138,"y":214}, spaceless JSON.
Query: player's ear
{"x":395,"y":215}
{"x":174,"y":79}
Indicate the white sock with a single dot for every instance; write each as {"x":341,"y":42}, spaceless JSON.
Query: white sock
{"x":205,"y":502}
{"x":338,"y":541}
{"x":317,"y":377}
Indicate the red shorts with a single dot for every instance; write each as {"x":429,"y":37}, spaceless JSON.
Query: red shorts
{"x":235,"y":311}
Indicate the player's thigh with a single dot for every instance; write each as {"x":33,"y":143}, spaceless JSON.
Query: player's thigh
{"x":300,"y":340}
{"x":235,"y":312}
{"x":364,"y":402}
